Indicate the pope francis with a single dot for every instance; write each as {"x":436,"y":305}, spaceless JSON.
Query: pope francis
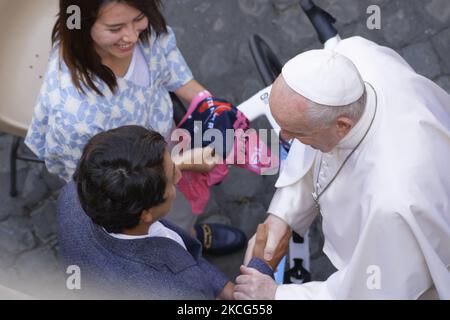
{"x":372,"y":156}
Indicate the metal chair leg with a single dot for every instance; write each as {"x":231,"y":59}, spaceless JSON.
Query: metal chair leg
{"x":13,"y":161}
{"x":179,"y":110}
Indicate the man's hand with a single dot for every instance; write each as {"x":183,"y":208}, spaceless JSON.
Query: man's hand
{"x":253,"y":285}
{"x":260,"y":245}
{"x":198,"y":160}
{"x":277,"y":230}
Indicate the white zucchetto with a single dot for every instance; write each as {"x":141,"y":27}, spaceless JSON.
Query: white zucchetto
{"x":325,"y":77}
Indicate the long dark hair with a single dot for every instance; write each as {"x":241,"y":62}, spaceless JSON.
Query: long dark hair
{"x":77,"y":46}
{"x":120,"y":174}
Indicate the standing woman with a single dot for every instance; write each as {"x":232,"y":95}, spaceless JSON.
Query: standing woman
{"x":116,"y":70}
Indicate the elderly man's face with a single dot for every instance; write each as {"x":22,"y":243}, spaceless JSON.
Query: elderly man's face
{"x":289,"y":110}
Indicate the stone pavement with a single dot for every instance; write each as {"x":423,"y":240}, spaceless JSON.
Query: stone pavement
{"x":213,"y":35}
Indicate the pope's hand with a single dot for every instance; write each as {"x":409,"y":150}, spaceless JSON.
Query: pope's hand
{"x":260,"y":245}
{"x":198,"y":160}
{"x":276,"y":231}
{"x":253,"y":285}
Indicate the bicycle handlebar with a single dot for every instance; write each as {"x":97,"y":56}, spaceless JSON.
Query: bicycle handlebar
{"x":320,"y":19}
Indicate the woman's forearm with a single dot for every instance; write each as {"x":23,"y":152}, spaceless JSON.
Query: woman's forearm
{"x":189,"y":90}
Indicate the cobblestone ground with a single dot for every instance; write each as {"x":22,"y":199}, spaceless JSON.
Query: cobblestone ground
{"x":213,"y":35}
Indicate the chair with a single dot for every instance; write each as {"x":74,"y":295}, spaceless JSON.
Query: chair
{"x":25,"y":28}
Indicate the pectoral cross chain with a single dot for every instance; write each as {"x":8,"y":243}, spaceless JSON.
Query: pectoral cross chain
{"x":316,"y":201}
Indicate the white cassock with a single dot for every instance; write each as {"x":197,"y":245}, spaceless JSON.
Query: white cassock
{"x":386,"y":217}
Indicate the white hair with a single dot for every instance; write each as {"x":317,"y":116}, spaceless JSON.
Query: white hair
{"x":320,"y":115}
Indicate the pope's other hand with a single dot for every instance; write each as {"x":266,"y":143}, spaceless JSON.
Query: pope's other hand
{"x":277,"y":229}
{"x":253,"y":285}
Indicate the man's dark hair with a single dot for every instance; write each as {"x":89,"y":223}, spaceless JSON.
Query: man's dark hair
{"x":120,"y":174}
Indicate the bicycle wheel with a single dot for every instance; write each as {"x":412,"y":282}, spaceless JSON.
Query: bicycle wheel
{"x":267,"y":63}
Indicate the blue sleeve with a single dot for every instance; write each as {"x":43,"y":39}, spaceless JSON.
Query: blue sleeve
{"x":179,"y":71}
{"x":261,"y":266}
{"x":218,"y":279}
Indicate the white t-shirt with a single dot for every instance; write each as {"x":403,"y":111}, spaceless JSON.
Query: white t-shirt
{"x":157,"y":229}
{"x":138,"y":71}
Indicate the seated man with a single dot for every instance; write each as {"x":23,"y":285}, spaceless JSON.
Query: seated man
{"x":109,"y":224}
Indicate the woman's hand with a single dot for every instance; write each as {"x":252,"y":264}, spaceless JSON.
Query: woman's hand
{"x":198,"y":160}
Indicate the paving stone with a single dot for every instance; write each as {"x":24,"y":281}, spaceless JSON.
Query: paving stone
{"x":321,"y":267}
{"x":429,"y":23}
{"x":5,"y":152}
{"x":399,"y":24}
{"x":381,"y":3}
{"x":16,"y":236}
{"x":5,"y":146}
{"x":439,"y":9}
{"x":261,"y":123}
{"x":250,"y":87}
{"x":442,"y":45}
{"x":247,"y":215}
{"x":216,"y":218}
{"x":35,"y":189}
{"x":214,"y":62}
{"x":10,"y":206}
{"x":282,"y":5}
{"x":42,"y":273}
{"x":239,"y":184}
{"x":294,"y":28}
{"x":7,"y":259}
{"x":203,"y":7}
{"x":254,"y":8}
{"x":10,"y":279}
{"x":44,"y":220}
{"x":228,"y":264}
{"x":213,"y":207}
{"x":344,"y":12}
{"x":360,"y":29}
{"x":444,"y":83}
{"x":52,"y":181}
{"x":422,"y":57}
{"x":265,"y":197}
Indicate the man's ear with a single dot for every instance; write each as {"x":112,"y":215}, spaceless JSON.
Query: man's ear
{"x":147,"y":216}
{"x":343,"y":126}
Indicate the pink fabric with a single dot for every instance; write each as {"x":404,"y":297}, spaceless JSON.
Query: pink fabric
{"x":255,"y":157}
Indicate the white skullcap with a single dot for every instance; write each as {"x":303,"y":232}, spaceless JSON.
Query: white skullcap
{"x":325,"y":77}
